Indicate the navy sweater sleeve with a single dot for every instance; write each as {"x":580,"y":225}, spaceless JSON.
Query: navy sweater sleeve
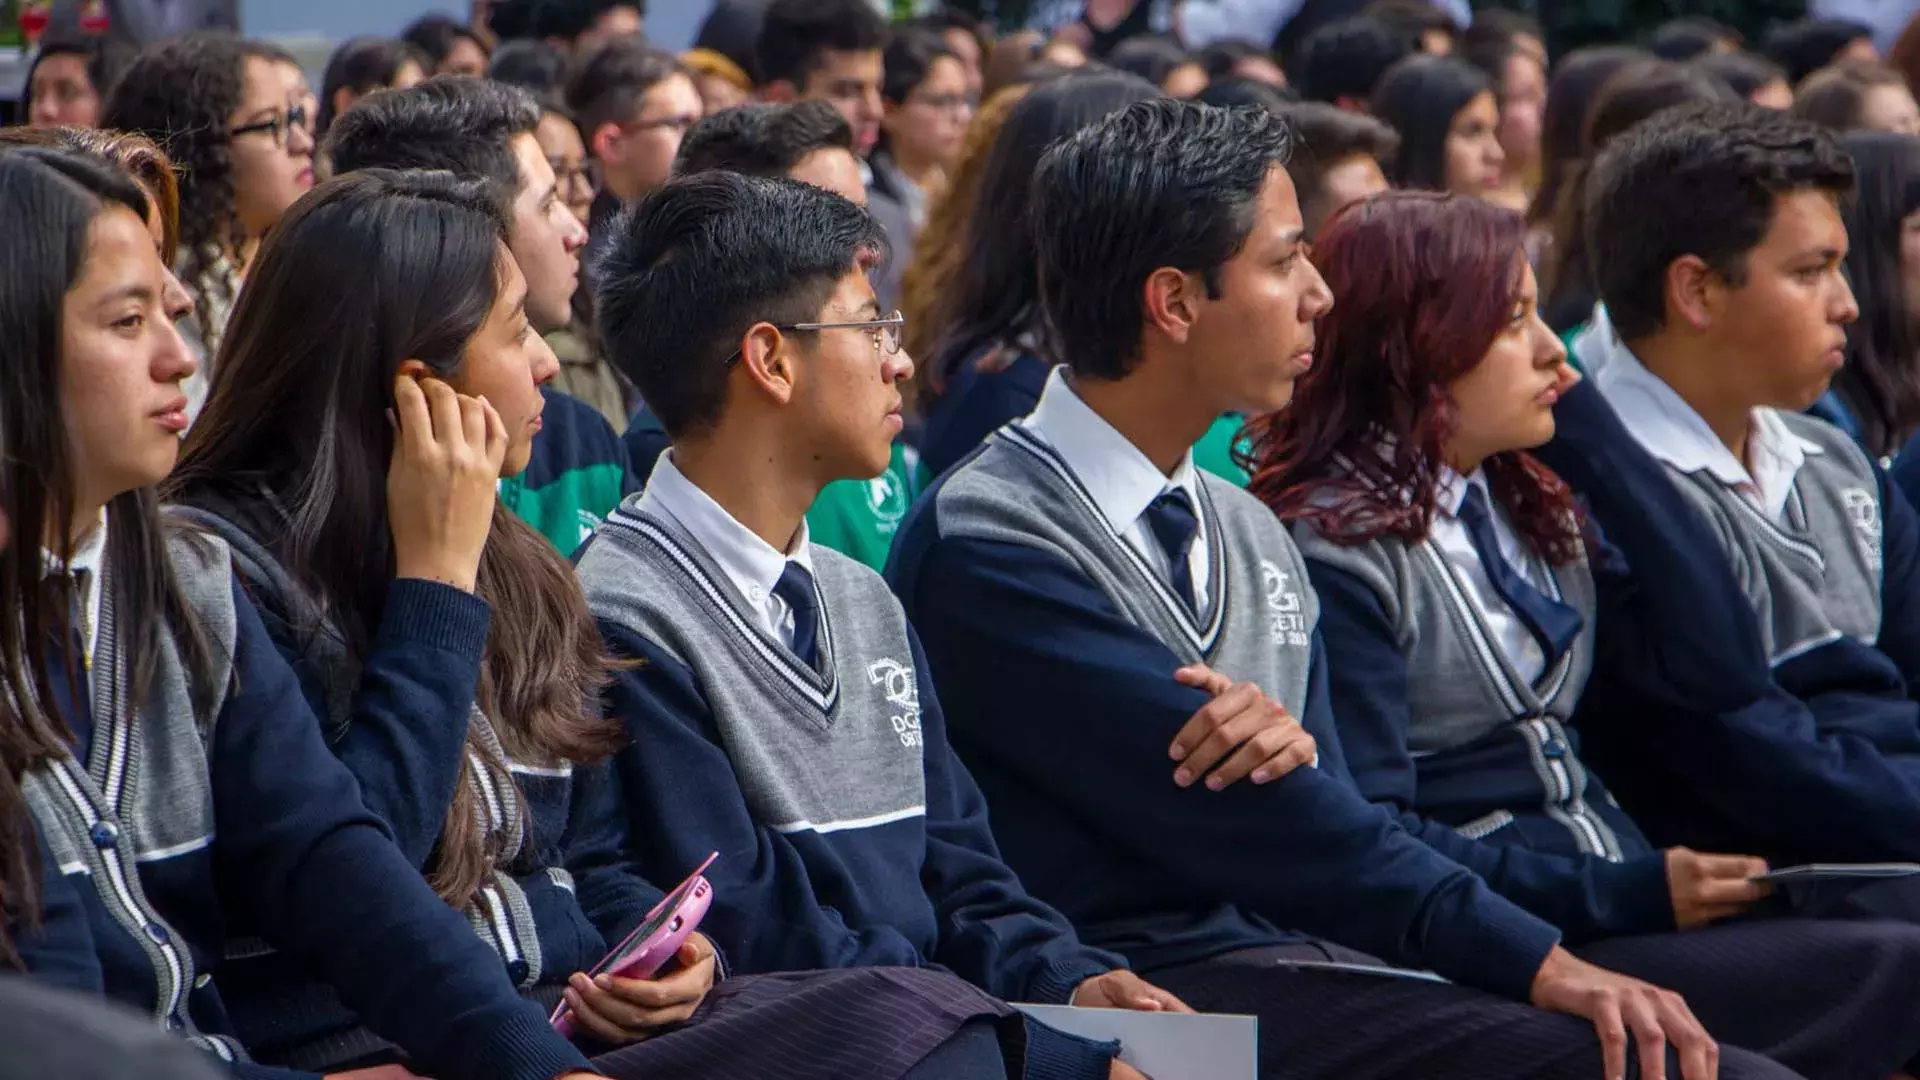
{"x":1060,"y":691}
{"x":684,"y":801}
{"x":406,"y":739}
{"x":992,"y":933}
{"x":60,"y":951}
{"x":612,"y":895}
{"x":1586,"y":897}
{"x":1900,"y":582}
{"x":1830,"y":793}
{"x":300,"y":855}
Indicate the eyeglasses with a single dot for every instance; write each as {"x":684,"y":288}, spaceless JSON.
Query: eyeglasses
{"x":945,"y":103}
{"x":566,"y":173}
{"x":280,"y":126}
{"x":885,"y":332}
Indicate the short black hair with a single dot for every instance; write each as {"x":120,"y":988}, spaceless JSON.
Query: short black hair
{"x":105,"y":59}
{"x":436,"y":34}
{"x":762,"y":139}
{"x":457,"y":123}
{"x":1149,"y":56}
{"x":1221,"y":57}
{"x":1160,"y":183}
{"x":908,"y":57}
{"x":794,"y":34}
{"x":364,"y":64}
{"x":563,"y":19}
{"x":1232,"y":91}
{"x":1413,"y":18}
{"x":1325,"y":136}
{"x":607,"y":84}
{"x":531,"y":63}
{"x":1836,"y":95}
{"x":1685,"y":39}
{"x":1419,"y":97}
{"x":1804,"y":47}
{"x":1346,"y":58}
{"x":704,"y":257}
{"x":1745,"y":72}
{"x":1699,"y":180}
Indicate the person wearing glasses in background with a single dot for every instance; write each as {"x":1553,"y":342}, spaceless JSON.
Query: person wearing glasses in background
{"x":633,"y":104}
{"x":220,"y":107}
{"x":927,"y":108}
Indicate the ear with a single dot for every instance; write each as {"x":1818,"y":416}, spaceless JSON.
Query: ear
{"x":767,"y":356}
{"x":1170,"y":302}
{"x":414,"y":369}
{"x":605,"y":142}
{"x":1693,"y":292}
{"x":780,"y":92}
{"x":343,"y":99}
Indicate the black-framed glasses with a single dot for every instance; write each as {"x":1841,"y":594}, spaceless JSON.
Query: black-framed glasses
{"x":280,"y":126}
{"x":885,"y":332}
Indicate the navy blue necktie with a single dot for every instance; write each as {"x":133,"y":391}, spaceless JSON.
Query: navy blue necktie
{"x":796,"y":588}
{"x":1171,"y":519}
{"x":1553,"y":624}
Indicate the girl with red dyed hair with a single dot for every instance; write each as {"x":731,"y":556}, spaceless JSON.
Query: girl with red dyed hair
{"x":1457,"y":605}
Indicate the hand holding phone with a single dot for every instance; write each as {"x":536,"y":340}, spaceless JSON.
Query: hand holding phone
{"x":658,"y":939}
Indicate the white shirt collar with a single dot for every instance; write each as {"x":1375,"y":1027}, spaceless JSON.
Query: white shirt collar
{"x":1119,"y":477}
{"x":750,"y":563}
{"x":1662,"y":422}
{"x":1451,"y":491}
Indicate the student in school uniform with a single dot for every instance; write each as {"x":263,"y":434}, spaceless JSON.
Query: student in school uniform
{"x":1457,"y":605}
{"x":777,"y":703}
{"x":810,"y":142}
{"x":1719,"y":247}
{"x":483,"y":130}
{"x":1066,"y":578}
{"x":188,"y":801}
{"x":459,"y":686}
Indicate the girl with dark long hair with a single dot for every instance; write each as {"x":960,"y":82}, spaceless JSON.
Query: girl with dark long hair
{"x":1457,"y":602}
{"x":1876,"y":394}
{"x":158,"y":734}
{"x":444,"y":646}
{"x":1448,"y":118}
{"x":989,"y":361}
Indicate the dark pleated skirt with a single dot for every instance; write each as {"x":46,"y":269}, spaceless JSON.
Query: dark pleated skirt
{"x":869,"y":1023}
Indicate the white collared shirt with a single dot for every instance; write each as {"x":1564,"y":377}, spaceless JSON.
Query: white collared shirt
{"x":1121,"y":480}
{"x":750,"y":563}
{"x":1450,"y":535}
{"x":91,"y":557}
{"x":1671,"y":431}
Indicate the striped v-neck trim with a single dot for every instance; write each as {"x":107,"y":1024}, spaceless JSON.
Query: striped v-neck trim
{"x":1522,"y":698}
{"x":819,"y":687}
{"x":1203,"y":637}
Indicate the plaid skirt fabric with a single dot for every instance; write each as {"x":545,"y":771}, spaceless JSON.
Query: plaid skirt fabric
{"x":869,"y":1023}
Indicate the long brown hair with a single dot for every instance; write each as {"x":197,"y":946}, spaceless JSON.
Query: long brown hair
{"x":365,"y":272}
{"x":48,"y":202}
{"x":1423,"y":284}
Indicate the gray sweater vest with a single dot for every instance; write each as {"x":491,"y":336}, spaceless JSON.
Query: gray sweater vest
{"x":1261,"y":614}
{"x":1815,"y":579}
{"x":833,"y":745}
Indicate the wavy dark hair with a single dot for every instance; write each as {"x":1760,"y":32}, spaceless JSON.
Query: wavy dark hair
{"x":1881,"y":379}
{"x":181,"y":93}
{"x":996,"y":295}
{"x":1424,"y":284}
{"x":49,"y":200}
{"x":365,"y":272}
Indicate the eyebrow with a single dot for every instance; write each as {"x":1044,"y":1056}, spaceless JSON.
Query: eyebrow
{"x":869,"y":310}
{"x":1290,"y":237}
{"x":128,"y":292}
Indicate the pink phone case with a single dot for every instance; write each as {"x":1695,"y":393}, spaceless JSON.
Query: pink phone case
{"x":666,"y":927}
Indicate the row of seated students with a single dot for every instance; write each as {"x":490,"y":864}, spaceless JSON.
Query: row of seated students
{"x":335,"y":765}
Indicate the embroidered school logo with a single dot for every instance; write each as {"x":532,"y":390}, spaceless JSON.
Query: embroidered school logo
{"x":1863,"y":510}
{"x":887,"y":498}
{"x":1288,"y":622}
{"x":895,"y":680}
